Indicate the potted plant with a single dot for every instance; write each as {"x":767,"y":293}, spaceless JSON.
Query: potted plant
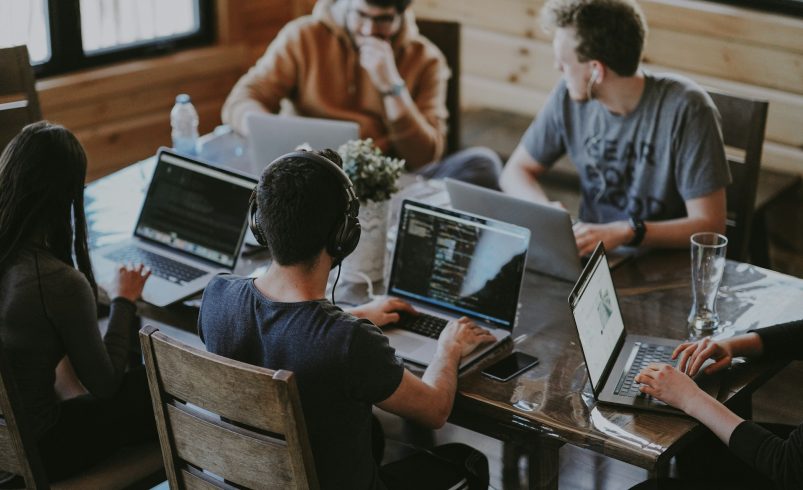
{"x":374,"y":177}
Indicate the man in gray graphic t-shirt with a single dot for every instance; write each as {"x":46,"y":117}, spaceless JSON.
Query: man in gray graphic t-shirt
{"x":648,"y":147}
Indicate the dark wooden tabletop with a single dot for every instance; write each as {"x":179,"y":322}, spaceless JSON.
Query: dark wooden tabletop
{"x":553,"y":401}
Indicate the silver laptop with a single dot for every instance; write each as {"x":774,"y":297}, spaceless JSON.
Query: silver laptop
{"x":450,"y":264}
{"x":271,"y":136}
{"x":553,"y":249}
{"x":190,"y":227}
{"x":612,"y":357}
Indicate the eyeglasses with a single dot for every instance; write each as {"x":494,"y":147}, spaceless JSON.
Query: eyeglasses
{"x":383,"y":20}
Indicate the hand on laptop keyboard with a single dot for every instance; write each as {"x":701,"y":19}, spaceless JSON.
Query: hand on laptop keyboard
{"x":129,"y":282}
{"x":383,"y":310}
{"x":463,"y":335}
{"x":669,"y":385}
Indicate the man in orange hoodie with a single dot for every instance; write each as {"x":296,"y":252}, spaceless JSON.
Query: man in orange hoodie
{"x":364,"y":61}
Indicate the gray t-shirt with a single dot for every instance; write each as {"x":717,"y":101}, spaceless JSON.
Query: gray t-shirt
{"x":343,"y":366}
{"x":644,"y":164}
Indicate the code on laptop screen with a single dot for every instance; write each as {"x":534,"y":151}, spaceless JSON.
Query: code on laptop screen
{"x":195,"y":209}
{"x":466,"y":264}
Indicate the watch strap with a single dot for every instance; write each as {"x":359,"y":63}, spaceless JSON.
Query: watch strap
{"x":639,"y":230}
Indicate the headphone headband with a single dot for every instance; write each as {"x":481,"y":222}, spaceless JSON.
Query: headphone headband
{"x":346,"y":234}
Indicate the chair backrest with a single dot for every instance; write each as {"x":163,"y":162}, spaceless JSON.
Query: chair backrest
{"x":240,"y":422}
{"x":446,"y":36}
{"x":743,"y":123}
{"x":18,"y":452}
{"x":19,"y":104}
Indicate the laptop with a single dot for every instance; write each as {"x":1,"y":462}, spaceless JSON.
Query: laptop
{"x":190,"y":227}
{"x":271,"y":135}
{"x":612,"y":357}
{"x":449,"y":264}
{"x":553,"y":249}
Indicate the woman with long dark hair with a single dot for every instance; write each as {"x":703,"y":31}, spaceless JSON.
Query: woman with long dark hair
{"x":48,"y":308}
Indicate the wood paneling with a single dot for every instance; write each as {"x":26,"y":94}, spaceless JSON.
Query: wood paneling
{"x":508,"y":65}
{"x":121,"y":113}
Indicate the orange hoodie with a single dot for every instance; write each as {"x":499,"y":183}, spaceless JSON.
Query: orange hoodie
{"x":314,"y":64}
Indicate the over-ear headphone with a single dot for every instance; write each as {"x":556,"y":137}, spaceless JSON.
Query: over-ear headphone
{"x":346,"y":234}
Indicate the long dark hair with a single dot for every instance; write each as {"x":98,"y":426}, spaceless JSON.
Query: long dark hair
{"x":42,"y":172}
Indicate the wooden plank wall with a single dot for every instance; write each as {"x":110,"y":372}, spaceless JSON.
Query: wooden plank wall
{"x":121,"y":112}
{"x":507,"y":60}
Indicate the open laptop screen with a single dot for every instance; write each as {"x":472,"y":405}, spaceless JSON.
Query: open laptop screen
{"x":195,"y":208}
{"x":597,"y":316}
{"x":463,"y":263}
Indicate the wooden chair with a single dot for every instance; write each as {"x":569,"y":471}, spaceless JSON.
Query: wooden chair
{"x":224,"y":423}
{"x":135,"y":467}
{"x":19,"y":104}
{"x":446,"y":36}
{"x":743,"y":123}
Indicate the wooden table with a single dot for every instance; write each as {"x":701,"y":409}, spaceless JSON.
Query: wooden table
{"x":551,"y":404}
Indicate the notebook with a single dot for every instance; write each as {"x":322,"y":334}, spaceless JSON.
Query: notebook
{"x":190,"y":227}
{"x":449,"y":264}
{"x":612,"y":357}
{"x":553,"y":249}
{"x":271,"y":136}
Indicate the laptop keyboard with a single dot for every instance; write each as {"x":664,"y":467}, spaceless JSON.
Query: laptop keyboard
{"x":646,"y":354}
{"x":422,"y":324}
{"x":160,"y":266}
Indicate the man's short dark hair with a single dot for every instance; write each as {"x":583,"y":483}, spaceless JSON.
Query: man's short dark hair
{"x":300,"y":202}
{"x":611,"y":31}
{"x":399,"y":5}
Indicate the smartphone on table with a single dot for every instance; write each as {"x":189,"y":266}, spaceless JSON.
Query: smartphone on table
{"x":511,"y":366}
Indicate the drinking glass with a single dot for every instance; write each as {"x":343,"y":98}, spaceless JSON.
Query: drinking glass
{"x":707,"y":266}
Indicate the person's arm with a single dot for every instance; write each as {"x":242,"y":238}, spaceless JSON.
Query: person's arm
{"x":429,"y":400}
{"x":98,"y":363}
{"x":706,"y":213}
{"x":520,"y":177}
{"x":262,"y":88}
{"x":416,"y":122}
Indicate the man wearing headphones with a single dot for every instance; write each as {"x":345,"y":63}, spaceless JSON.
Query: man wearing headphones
{"x":364,"y":61}
{"x":305,"y":211}
{"x":648,"y":147}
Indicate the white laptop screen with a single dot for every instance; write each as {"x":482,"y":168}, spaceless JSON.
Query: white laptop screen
{"x":460,"y":262}
{"x":196,"y":209}
{"x":597,"y":316}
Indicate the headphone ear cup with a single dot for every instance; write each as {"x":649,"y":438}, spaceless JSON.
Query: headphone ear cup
{"x":345,"y":239}
{"x":253,"y":221}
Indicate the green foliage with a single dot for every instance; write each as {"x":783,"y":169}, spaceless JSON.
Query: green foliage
{"x":373,"y":174}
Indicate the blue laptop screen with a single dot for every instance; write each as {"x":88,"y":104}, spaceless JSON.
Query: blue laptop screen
{"x":463,"y":263}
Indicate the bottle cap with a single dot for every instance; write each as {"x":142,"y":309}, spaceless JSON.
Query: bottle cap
{"x":182,"y":99}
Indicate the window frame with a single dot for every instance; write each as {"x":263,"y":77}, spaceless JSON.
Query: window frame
{"x":785,"y":7}
{"x":66,"y":45}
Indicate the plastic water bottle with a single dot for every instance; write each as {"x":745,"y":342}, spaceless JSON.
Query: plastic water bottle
{"x":184,"y":121}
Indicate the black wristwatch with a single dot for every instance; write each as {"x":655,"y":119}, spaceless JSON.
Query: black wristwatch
{"x":639,"y":230}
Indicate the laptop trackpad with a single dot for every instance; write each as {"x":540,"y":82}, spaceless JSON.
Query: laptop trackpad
{"x":407,"y":344}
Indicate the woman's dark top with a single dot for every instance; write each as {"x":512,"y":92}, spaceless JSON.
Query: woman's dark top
{"x":779,"y":459}
{"x":47,"y":311}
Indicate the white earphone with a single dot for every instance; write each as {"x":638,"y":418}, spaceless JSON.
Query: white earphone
{"x":591,"y":82}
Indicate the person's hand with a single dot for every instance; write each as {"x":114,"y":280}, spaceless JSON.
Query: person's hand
{"x":692,"y":355}
{"x":464,"y":335}
{"x":669,"y":385}
{"x":587,"y":235}
{"x":383,"y":310}
{"x":376,"y":58}
{"x":129,"y":282}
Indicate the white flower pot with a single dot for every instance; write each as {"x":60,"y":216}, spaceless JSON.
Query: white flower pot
{"x":368,"y":260}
